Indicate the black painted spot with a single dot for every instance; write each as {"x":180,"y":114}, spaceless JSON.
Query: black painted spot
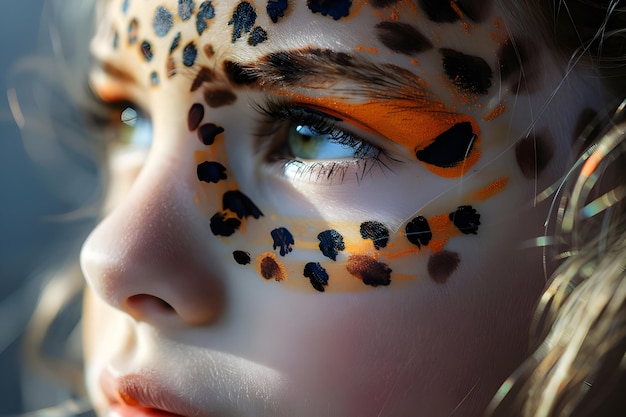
{"x":317,"y":275}
{"x":439,"y":11}
{"x":205,"y":75}
{"x":533,"y":154}
{"x":476,"y":10}
{"x":333,"y":8}
{"x":190,"y":53}
{"x":240,"y":204}
{"x":133,"y":28}
{"x":257,"y":36}
{"x":211,"y":172}
{"x":466,"y":219}
{"x":224,"y":226}
{"x":241,"y":257}
{"x":450,"y":148}
{"x":418,"y":231}
{"x":146,"y":51}
{"x":243,"y":20}
{"x":331,"y":243}
{"x":175,"y":42}
{"x":283,"y":239}
{"x":443,"y":264}
{"x":375,"y":231}
{"x":208,"y":132}
{"x":402,"y":37}
{"x":219,"y":98}
{"x":162,"y":22}
{"x":467,"y":72}
{"x":154,"y":79}
{"x":116,"y":40}
{"x":125,"y":5}
{"x":239,"y":75}
{"x":185,"y":9}
{"x":369,"y":270}
{"x":195,"y":116}
{"x":380,"y":4}
{"x":271,"y":269}
{"x":276,"y":9}
{"x":205,"y":12}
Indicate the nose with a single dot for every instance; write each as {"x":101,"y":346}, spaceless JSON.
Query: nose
{"x":148,"y":260}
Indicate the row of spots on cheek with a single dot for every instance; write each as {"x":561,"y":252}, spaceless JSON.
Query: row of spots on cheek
{"x":367,"y":268}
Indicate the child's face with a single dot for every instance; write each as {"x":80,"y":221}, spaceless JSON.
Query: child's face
{"x":334,"y":215}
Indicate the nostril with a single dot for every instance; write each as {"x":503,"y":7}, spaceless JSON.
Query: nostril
{"x":143,"y":305}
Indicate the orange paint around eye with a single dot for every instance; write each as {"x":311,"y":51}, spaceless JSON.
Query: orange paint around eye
{"x":491,"y":190}
{"x":495,"y":113}
{"x":414,"y":124}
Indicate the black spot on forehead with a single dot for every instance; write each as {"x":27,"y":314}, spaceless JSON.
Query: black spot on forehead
{"x":162,"y":22}
{"x":317,"y":275}
{"x":190,"y":53}
{"x":205,"y":75}
{"x":206,"y":12}
{"x":379,"y":4}
{"x":240,"y":204}
{"x":283,"y":239}
{"x":154,"y":78}
{"x":517,"y":66}
{"x":125,"y":5}
{"x":216,"y":98}
{"x":369,"y":270}
{"x":466,"y":219}
{"x":239,"y":75}
{"x":175,"y":42}
{"x":146,"y":51}
{"x":208,"y":132}
{"x":439,"y":11}
{"x":221,"y":225}
{"x":450,"y":148}
{"x":402,"y":37}
{"x":211,"y":172}
{"x":442,"y":265}
{"x":276,"y":9}
{"x":185,"y":9}
{"x":133,"y":27}
{"x":241,"y":257}
{"x":418,"y":231}
{"x":333,"y":8}
{"x":243,"y":20}
{"x":257,"y":36}
{"x":195,"y":116}
{"x":331,"y":243}
{"x":533,"y":154}
{"x":375,"y":231}
{"x":467,"y":72}
{"x":476,"y":10}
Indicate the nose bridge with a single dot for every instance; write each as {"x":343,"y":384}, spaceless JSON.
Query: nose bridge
{"x":147,"y":249}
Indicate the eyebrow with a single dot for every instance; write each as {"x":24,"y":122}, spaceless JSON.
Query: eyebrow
{"x":313,"y":68}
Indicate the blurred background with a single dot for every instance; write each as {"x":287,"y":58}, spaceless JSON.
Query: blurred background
{"x":42,"y":187}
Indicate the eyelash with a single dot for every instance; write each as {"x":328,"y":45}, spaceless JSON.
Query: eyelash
{"x":276,"y":113}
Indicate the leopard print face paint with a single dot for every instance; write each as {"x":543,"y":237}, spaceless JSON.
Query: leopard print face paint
{"x":428,"y":91}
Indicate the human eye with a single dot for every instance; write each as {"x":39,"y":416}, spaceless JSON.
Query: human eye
{"x":310,"y":145}
{"x":123,"y":123}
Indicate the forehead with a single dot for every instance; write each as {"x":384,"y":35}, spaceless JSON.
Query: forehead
{"x":174,"y":35}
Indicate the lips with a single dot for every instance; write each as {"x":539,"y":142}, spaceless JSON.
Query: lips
{"x":142,"y":396}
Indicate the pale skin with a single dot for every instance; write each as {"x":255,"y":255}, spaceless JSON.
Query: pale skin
{"x":173,"y":323}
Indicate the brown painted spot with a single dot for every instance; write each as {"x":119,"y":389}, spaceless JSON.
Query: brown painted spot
{"x":209,"y":51}
{"x":219,"y":98}
{"x":170,"y":67}
{"x":369,"y":270}
{"x":442,"y":264}
{"x":205,"y":75}
{"x":533,"y":154}
{"x":270,"y":268}
{"x":195,"y":116}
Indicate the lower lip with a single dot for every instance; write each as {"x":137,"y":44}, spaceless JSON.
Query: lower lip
{"x":130,"y":411}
